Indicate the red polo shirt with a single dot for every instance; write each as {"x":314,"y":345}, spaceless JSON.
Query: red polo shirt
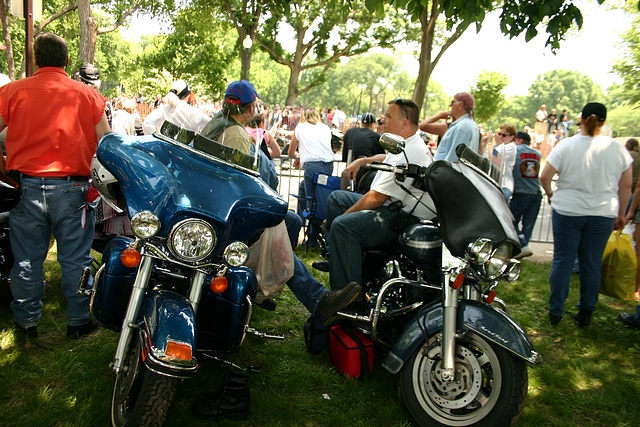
{"x":51,"y":123}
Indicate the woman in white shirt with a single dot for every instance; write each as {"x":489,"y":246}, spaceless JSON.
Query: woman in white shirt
{"x":312,"y":139}
{"x":590,"y":200}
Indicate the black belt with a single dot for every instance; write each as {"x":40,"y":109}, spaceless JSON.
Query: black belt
{"x":61,"y":178}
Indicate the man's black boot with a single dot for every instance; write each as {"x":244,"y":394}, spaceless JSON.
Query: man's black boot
{"x":332,"y":302}
{"x":322,"y":265}
{"x":230,"y":401}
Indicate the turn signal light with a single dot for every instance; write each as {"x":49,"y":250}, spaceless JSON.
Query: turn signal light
{"x":130,"y":258}
{"x":490,"y":297}
{"x":178,"y":350}
{"x":458,"y":281}
{"x":219,"y":284}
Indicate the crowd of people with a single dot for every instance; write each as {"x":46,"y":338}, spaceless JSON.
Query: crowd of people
{"x":589,"y":200}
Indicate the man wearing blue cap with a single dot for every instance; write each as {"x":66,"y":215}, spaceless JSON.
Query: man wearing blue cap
{"x":227,"y":127}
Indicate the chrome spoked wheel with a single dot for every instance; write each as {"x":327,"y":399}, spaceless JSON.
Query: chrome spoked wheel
{"x":489,"y":386}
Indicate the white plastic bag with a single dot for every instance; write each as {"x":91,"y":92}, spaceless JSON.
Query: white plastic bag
{"x":271,"y":258}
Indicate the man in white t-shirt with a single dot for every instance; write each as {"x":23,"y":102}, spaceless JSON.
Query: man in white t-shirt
{"x":367,"y":218}
{"x":339,"y":117}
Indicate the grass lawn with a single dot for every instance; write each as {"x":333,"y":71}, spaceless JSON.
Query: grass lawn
{"x":590,"y":377}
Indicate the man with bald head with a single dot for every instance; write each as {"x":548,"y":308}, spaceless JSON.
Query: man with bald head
{"x":463,"y":130}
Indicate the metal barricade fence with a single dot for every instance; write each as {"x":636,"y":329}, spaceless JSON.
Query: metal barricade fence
{"x":290,"y":179}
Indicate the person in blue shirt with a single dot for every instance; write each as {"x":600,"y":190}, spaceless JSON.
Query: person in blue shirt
{"x":463,"y":130}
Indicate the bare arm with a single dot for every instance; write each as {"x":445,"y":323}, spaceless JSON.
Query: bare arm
{"x":272,"y":145}
{"x":545,"y":180}
{"x":634,"y":204}
{"x":102,"y":127}
{"x":352,"y":168}
{"x":624,"y":193}
{"x":2,"y":126}
{"x":371,"y":200}
{"x":293,"y":146}
{"x":431,"y":126}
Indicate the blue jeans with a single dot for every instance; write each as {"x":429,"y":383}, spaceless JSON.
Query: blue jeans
{"x":636,"y":315}
{"x":507,"y":194}
{"x":352,"y":232}
{"x":339,"y":201}
{"x":49,"y":205}
{"x":305,"y":287}
{"x":310,"y":169}
{"x":525,"y":208}
{"x":586,"y":237}
{"x":293,"y":222}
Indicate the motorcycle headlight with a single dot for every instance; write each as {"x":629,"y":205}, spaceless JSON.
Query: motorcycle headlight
{"x":480,"y":250}
{"x":513,"y":271}
{"x":499,"y":261}
{"x":236,"y":254}
{"x":145,"y":224}
{"x":192,"y":239}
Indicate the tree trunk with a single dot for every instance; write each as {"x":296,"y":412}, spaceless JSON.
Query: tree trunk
{"x":292,"y":87}
{"x":428,"y":19}
{"x":88,"y":32}
{"x":6,"y":36}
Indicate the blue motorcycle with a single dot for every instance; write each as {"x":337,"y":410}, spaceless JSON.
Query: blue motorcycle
{"x":179,"y":288}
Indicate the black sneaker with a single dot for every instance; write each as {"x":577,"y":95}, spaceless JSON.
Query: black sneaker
{"x":321,"y":265}
{"x":629,"y":320}
{"x":582,"y":318}
{"x":268,"y":304}
{"x":77,"y":332}
{"x":334,"y":301}
{"x":554,"y":320}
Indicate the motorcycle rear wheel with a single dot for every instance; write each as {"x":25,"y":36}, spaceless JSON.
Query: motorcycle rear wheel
{"x":140,"y":397}
{"x":490,"y":387}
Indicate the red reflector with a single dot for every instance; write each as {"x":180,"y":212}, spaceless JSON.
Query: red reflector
{"x":490,"y":297}
{"x":219,"y":284}
{"x":458,"y":281}
{"x":130,"y":258}
{"x":178,"y":350}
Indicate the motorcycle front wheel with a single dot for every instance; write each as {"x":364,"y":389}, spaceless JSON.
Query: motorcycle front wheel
{"x":489,"y":388}
{"x":140,"y":397}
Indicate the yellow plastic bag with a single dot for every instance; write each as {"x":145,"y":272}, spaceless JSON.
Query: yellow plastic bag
{"x":619,"y":265}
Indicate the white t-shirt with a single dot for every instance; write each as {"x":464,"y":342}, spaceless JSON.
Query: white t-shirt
{"x":124,"y":122}
{"x":182,"y":114}
{"x":508,"y":152}
{"x":339,"y":117}
{"x":314,"y":143}
{"x":589,"y":169}
{"x":384,"y":182}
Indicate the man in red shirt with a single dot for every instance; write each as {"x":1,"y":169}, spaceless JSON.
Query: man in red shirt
{"x":53,"y":126}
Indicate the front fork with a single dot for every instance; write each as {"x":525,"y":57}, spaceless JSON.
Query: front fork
{"x":129,"y":324}
{"x":133,"y":309}
{"x":450,"y":312}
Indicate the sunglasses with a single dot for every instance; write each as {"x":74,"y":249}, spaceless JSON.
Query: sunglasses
{"x":504,"y":134}
{"x":400,"y":102}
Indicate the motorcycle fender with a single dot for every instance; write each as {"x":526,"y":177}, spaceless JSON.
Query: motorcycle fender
{"x":489,"y":322}
{"x":169,"y":334}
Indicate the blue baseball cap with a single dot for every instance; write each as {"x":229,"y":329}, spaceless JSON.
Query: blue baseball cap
{"x":242,"y":89}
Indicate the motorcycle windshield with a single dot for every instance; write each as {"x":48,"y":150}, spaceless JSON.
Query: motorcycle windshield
{"x":172,"y":180}
{"x":470,"y":206}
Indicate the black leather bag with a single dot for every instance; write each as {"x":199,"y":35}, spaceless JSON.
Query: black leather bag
{"x":316,"y":336}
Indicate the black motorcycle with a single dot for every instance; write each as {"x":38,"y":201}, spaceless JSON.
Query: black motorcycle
{"x":430,"y":297}
{"x":9,"y":197}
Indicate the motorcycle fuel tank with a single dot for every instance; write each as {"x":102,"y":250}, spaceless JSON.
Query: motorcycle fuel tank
{"x":422,"y":244}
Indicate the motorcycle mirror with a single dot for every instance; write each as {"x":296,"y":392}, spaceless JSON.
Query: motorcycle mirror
{"x":392,"y":143}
